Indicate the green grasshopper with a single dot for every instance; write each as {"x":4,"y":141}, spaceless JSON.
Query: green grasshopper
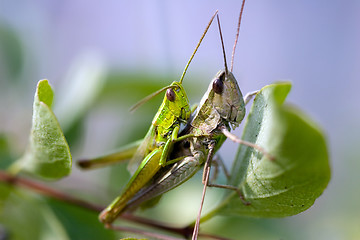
{"x":221,"y":108}
{"x":151,"y":155}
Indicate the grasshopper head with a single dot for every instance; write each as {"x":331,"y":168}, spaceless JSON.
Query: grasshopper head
{"x":227,"y":98}
{"x":175,"y":107}
{"x":222,"y":103}
{"x":177,"y":101}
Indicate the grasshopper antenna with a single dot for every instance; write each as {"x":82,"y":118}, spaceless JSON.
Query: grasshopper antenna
{"x":222,"y":44}
{"x":237,"y":35}
{"x":147,"y":98}
{"x":197,"y":46}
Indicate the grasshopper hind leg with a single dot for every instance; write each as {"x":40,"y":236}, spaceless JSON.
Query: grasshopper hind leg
{"x":206,"y":179}
{"x":217,"y":163}
{"x":236,"y":189}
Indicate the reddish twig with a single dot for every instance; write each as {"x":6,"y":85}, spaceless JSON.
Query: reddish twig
{"x":61,"y":196}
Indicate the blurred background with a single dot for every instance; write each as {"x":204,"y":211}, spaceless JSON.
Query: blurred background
{"x":103,"y":57}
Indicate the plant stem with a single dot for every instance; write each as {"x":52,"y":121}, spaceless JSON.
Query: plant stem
{"x":45,"y":190}
{"x":61,"y":196}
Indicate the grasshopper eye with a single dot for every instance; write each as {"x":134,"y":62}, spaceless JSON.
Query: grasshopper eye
{"x":170,"y":95}
{"x":218,"y":85}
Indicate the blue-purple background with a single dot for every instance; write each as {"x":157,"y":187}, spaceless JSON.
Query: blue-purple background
{"x":314,"y":44}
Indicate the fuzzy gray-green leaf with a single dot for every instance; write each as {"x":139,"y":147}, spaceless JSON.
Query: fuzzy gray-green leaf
{"x":48,"y":153}
{"x":300,"y":172}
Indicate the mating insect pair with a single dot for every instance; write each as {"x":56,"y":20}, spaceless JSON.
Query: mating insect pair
{"x":165,"y":158}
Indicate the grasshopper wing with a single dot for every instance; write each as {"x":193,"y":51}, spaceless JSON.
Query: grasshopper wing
{"x":142,"y":151}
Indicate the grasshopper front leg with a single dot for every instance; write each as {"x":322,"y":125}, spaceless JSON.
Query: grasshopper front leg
{"x":249,"y":96}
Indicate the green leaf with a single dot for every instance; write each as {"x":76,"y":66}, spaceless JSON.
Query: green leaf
{"x":80,"y":223}
{"x":300,"y":172}
{"x":25,"y":216}
{"x":48,"y":153}
{"x":44,"y":93}
{"x":6,"y":157}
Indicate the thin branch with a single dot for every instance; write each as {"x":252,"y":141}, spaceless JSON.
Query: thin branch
{"x":46,"y":191}
{"x":144,"y":233}
{"x":63,"y":197}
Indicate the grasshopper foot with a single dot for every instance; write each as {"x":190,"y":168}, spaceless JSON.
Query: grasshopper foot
{"x":105,"y":218}
{"x":242,"y":198}
{"x":84,"y":163}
